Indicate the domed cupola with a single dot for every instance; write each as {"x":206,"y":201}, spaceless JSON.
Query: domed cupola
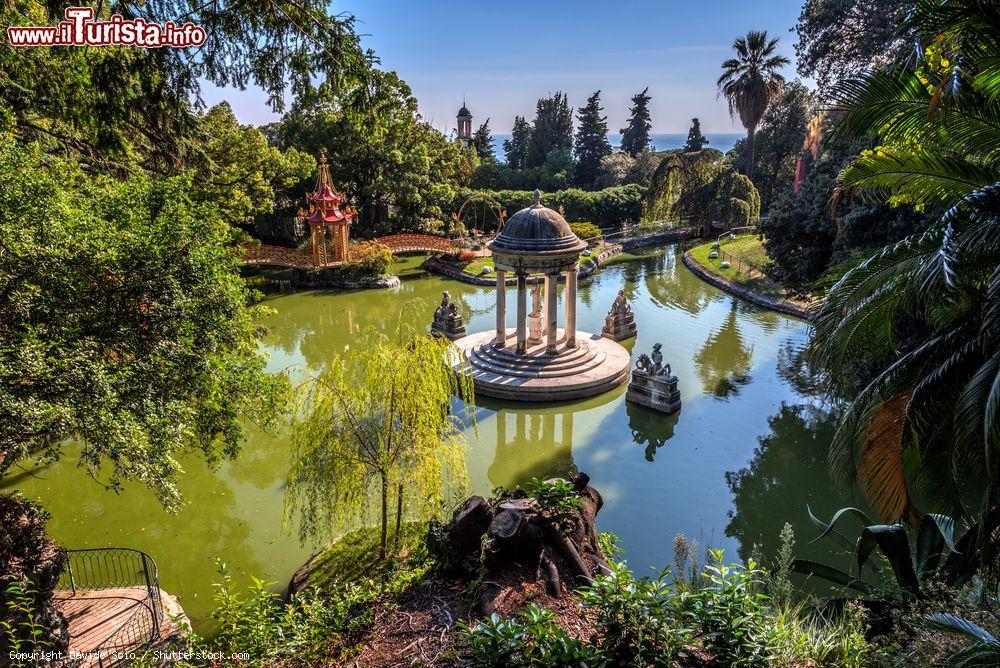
{"x":537,"y":230}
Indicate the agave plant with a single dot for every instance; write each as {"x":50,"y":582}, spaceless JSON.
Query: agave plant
{"x":934,"y":556}
{"x":925,"y":311}
{"x":984,"y":650}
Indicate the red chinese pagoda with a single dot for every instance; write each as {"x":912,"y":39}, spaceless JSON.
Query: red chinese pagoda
{"x":329,"y":224}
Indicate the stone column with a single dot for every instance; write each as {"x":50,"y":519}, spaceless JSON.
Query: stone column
{"x":551,"y":293}
{"x":501,"y":338}
{"x":522,"y":312}
{"x":571,"y":307}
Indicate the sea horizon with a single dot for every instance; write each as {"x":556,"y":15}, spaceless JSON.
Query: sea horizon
{"x":661,"y":141}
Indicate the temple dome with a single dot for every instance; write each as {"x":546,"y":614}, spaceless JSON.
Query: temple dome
{"x":536,"y":230}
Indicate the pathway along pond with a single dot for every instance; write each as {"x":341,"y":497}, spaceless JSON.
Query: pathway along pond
{"x":746,"y":453}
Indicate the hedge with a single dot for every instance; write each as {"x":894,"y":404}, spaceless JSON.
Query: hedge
{"x":609,"y":208}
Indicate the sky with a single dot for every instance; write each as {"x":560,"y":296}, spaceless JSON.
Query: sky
{"x":502,"y":56}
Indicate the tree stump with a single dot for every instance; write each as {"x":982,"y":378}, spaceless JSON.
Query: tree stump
{"x":517,"y":540}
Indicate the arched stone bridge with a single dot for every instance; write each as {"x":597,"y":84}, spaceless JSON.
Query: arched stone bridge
{"x":279,"y":256}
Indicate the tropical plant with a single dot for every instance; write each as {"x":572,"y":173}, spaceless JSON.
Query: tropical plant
{"x":750,"y":81}
{"x":377,"y":419}
{"x":984,"y":650}
{"x":925,"y":312}
{"x":935,"y":556}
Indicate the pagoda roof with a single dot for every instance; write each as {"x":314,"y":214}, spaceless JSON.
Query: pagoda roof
{"x":325,"y":193}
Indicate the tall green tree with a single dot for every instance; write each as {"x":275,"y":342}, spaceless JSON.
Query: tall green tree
{"x":635,"y":135}
{"x":838,"y":40}
{"x":925,"y":312}
{"x":240,"y":171}
{"x":591,"y":142}
{"x":750,"y":81}
{"x":399,"y":171}
{"x":482,"y":142}
{"x":516,"y":148}
{"x":552,"y":129}
{"x":125,"y":108}
{"x":126,"y":324}
{"x":695,"y":139}
{"x":778,"y":142}
{"x":378,"y":423}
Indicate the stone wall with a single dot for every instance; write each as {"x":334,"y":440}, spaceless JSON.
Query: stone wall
{"x":774,"y":304}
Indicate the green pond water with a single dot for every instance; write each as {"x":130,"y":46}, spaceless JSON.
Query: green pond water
{"x":746,"y":453}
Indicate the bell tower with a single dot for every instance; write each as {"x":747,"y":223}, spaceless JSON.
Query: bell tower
{"x":464,"y":119}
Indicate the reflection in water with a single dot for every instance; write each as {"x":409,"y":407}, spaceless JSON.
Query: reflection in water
{"x":532,"y":444}
{"x":788,"y":472}
{"x":724,"y":360}
{"x":235,"y":512}
{"x":650,"y":428}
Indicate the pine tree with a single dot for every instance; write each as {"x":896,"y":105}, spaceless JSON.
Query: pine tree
{"x":516,"y":148}
{"x":552,"y":129}
{"x":482,"y":141}
{"x":635,"y":136}
{"x":591,"y":142}
{"x":696,"y":140}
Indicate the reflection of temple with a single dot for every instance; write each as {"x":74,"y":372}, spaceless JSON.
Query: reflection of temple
{"x":532,"y":445}
{"x":650,"y":428}
{"x":329,"y":225}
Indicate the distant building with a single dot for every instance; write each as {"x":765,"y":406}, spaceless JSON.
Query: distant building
{"x":464,"y":125}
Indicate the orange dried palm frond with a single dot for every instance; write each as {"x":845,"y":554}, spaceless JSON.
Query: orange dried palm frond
{"x":880,"y":469}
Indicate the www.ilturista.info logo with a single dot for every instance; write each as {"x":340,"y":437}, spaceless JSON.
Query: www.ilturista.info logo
{"x":81,"y":29}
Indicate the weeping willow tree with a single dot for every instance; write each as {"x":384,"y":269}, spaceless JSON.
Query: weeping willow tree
{"x":678,"y":175}
{"x":377,"y":423}
{"x":730,"y":199}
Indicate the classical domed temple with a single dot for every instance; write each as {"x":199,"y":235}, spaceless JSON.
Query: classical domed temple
{"x":535,"y":360}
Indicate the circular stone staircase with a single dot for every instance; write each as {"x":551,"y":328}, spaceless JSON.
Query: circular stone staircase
{"x":595,"y":366}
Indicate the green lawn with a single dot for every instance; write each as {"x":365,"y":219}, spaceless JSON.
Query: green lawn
{"x":750,"y":249}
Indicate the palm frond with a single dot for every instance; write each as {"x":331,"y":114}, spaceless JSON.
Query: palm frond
{"x":915,"y":176}
{"x":898,"y":106}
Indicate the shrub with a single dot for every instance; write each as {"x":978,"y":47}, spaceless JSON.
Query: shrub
{"x":556,"y":495}
{"x":370,"y":258}
{"x":530,"y":638}
{"x":730,"y":612}
{"x":588,"y":232}
{"x":611,"y":207}
{"x":637,"y":617}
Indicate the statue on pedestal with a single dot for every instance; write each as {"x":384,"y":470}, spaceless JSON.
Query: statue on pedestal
{"x":620,"y":321}
{"x":535,"y":325}
{"x":653,"y":384}
{"x":447,"y":320}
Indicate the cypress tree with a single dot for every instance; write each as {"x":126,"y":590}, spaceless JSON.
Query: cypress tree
{"x":591,"y":142}
{"x":696,"y":140}
{"x":516,"y":148}
{"x":552,"y":129}
{"x":635,"y":136}
{"x":482,"y":141}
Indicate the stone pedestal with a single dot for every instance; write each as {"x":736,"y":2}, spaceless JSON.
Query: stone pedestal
{"x":447,"y":320}
{"x":619,"y":324}
{"x":652,"y":384}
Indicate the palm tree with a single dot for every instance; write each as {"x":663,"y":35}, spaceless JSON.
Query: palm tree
{"x":925,"y":312}
{"x":750,"y":81}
